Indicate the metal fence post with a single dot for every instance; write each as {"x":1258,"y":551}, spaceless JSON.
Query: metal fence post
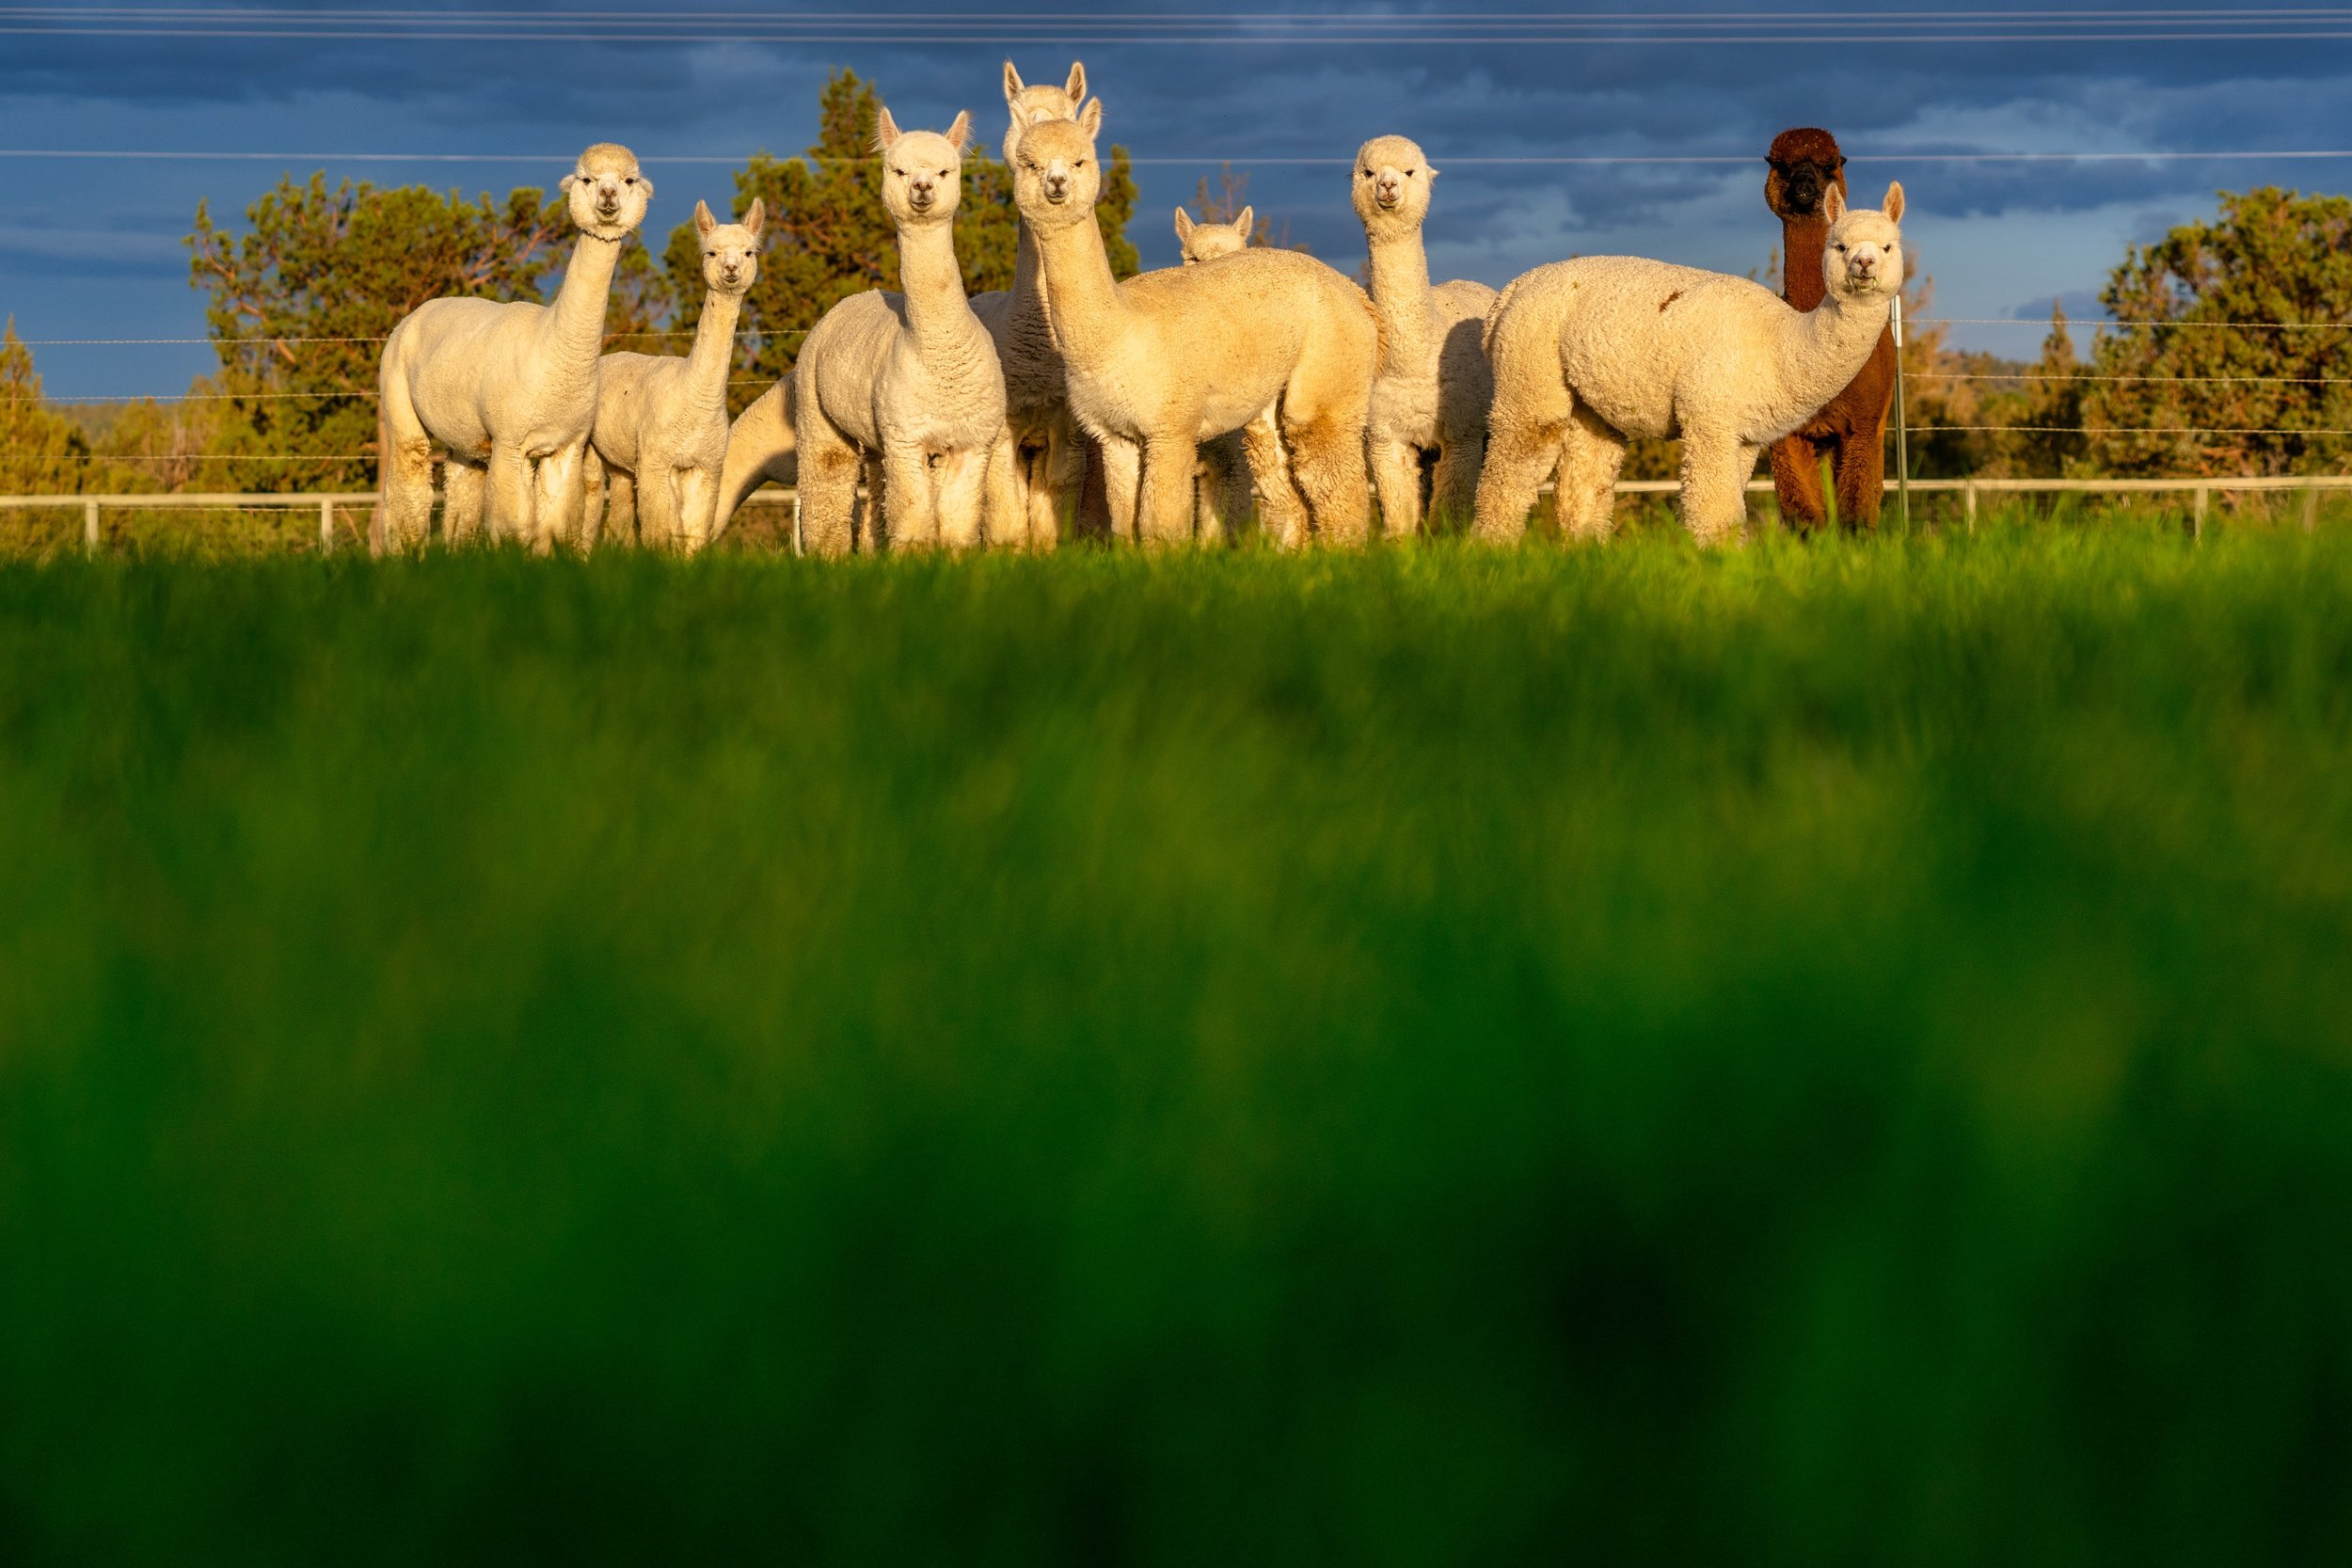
{"x":326,"y":526}
{"x":90,"y":526}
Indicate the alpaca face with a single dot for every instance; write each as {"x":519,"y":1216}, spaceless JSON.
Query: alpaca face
{"x":1804,"y":164}
{"x":608,"y":193}
{"x":1024,"y":101}
{"x":1206,"y":242}
{"x":922,"y":171}
{"x":1863,"y":256}
{"x":1391,"y":184}
{"x":730,"y":250}
{"x":1056,"y":176}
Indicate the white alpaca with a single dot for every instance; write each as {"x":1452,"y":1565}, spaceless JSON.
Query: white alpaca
{"x":1044,"y":463}
{"x":662,"y":420}
{"x":1162,"y":362}
{"x":508,"y":388}
{"x":1223,"y":481}
{"x":1432,"y":393}
{"x":1590,"y":352}
{"x":907,"y":383}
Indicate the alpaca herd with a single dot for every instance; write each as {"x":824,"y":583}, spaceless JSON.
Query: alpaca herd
{"x":1248,"y":381}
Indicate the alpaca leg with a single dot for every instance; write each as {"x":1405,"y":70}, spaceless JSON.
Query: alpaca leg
{"x":403,"y":507}
{"x":910,"y":509}
{"x":827,"y":503}
{"x":1861,"y":480}
{"x":960,"y":483}
{"x":1060,"y":497}
{"x":1123,"y":473}
{"x":560,"y":495}
{"x":698,"y":508}
{"x":507,"y":517}
{"x":657,"y":524}
{"x":1222,"y":482}
{"x":1714,"y":498}
{"x":1096,"y":516}
{"x":1327,"y":463}
{"x":1396,"y":475}
{"x":1164,"y":509}
{"x":1797,"y":480}
{"x":1282,"y":512}
{"x":461,"y":502}
{"x":1454,"y":489}
{"x":1004,"y":511}
{"x":620,"y":506}
{"x":591,"y":499}
{"x":1586,"y":497}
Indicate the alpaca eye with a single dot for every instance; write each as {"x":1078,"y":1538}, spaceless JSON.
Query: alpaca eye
{"x":1410,"y":172}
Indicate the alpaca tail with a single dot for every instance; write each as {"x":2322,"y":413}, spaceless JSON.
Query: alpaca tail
{"x":760,"y":446}
{"x":1494,"y":314}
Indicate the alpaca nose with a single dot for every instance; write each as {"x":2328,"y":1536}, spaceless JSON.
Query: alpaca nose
{"x":1387,"y":189}
{"x":1056,"y":186}
{"x":1864,"y":263}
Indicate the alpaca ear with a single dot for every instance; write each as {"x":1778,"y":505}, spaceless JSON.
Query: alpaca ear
{"x":1090,"y":118}
{"x":1247,"y":223}
{"x":704,"y":222}
{"x":886,"y":130}
{"x":1833,"y":204}
{"x":1894,"y":202}
{"x":960,"y":132}
{"x":1183,"y":225}
{"x":1012,"y":83}
{"x":1076,"y":85}
{"x":565,"y":183}
{"x":645,"y":187}
{"x":1037,"y":116}
{"x":756,"y":219}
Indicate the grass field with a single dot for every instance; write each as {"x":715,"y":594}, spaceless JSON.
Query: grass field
{"x":1825,"y":1054}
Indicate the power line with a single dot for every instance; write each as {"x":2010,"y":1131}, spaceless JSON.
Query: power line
{"x":1525,"y":161}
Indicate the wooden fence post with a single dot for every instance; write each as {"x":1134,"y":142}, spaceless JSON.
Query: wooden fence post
{"x":1968,"y":493}
{"x":2196,"y":515}
{"x":2310,"y":511}
{"x":326,"y":526}
{"x":90,"y":526}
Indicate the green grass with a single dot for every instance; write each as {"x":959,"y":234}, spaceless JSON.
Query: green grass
{"x":1824,"y":1054}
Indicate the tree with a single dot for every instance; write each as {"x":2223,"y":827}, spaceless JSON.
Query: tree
{"x":2230,"y":330}
{"x":829,"y":236}
{"x":1224,"y":204}
{"x":301,"y":301}
{"x":2050,"y":441}
{"x":42,"y":451}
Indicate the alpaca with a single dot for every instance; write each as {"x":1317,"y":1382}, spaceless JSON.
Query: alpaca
{"x":1432,"y":393}
{"x":1044,"y":459}
{"x":759,"y":448}
{"x":1223,"y":478}
{"x":1851,"y":431}
{"x":1590,"y":352}
{"x":903,"y":385}
{"x":508,"y":389}
{"x":662,"y":420}
{"x":1165,"y":360}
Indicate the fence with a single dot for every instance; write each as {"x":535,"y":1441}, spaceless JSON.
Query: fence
{"x":2200,"y":489}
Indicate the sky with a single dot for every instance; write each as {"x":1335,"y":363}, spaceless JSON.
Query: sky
{"x":1637,"y":130}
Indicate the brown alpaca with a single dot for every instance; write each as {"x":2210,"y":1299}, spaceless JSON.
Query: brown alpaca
{"x":1851,"y":431}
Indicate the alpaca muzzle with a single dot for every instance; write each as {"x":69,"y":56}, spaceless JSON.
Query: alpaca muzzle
{"x":1387,"y":191}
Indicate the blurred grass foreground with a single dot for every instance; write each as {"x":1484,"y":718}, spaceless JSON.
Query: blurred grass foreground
{"x":1829,"y":1054}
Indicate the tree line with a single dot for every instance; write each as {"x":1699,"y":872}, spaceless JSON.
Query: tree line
{"x":2227,"y":356}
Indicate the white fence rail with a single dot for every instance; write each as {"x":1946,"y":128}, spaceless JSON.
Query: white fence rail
{"x":2200,"y":490}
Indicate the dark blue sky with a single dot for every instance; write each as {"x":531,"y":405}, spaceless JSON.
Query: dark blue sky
{"x":93,"y":247}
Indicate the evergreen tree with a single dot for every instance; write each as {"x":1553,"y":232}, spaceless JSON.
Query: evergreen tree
{"x":42,"y":451}
{"x":2050,"y":443}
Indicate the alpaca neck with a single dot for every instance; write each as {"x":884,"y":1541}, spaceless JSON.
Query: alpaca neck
{"x":1803,"y":242}
{"x":929,"y":280}
{"x":713,"y":355}
{"x":574,"y":329}
{"x":1828,"y":345}
{"x":1400,"y":286}
{"x":1081,"y":297}
{"x":1028,"y":269}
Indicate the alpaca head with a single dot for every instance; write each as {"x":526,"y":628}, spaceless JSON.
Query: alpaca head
{"x":1206,"y":242}
{"x":1863,"y":256}
{"x":922,"y":171}
{"x":1805,"y":167}
{"x":1056,"y":176}
{"x":730,"y":250}
{"x":1391,"y":184}
{"x":608,"y":193}
{"x":1023,"y":100}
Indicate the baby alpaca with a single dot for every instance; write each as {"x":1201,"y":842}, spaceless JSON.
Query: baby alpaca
{"x":1434,"y":385}
{"x":662,"y":420}
{"x":1590,"y":352}
{"x":907,"y":383}
{"x":508,"y":389}
{"x":1223,"y":480}
{"x":1164,"y":361}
